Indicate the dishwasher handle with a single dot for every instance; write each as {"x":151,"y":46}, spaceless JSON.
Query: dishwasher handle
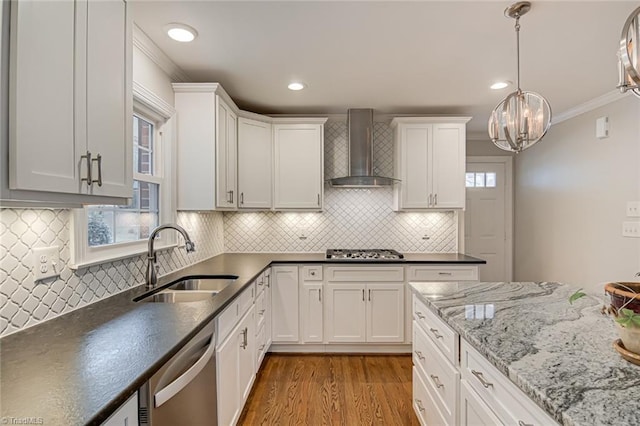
{"x":169,"y":391}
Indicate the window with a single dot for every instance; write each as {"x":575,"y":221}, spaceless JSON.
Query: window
{"x":133,"y":222}
{"x":109,"y":232}
{"x":480,"y":180}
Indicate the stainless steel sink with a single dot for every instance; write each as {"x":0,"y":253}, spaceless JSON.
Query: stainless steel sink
{"x":171,"y":296}
{"x":208,"y":283}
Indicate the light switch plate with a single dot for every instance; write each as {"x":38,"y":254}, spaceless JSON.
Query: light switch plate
{"x":631,"y":229}
{"x":46,"y":262}
{"x":633,"y":209}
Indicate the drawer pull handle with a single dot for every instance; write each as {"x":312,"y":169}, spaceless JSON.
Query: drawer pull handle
{"x":261,"y":347}
{"x":436,"y":380}
{"x":521,"y":423}
{"x":445,"y":273}
{"x":419,"y":315}
{"x":312,"y":273}
{"x":261,"y":312}
{"x":435,"y":333}
{"x":419,"y":404}
{"x":480,"y":377}
{"x":419,"y":354}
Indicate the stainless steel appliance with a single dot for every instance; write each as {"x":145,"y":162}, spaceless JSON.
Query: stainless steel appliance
{"x":363,"y":254}
{"x":183,"y":391}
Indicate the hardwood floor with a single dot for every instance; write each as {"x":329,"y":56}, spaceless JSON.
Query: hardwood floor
{"x":331,"y":390}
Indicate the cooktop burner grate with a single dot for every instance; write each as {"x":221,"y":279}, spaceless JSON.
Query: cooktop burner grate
{"x":364,"y":254}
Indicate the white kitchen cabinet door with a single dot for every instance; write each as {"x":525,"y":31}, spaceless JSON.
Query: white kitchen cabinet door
{"x":311,"y":308}
{"x":345,"y":312}
{"x":473,"y":410}
{"x":385,"y":312}
{"x":449,"y":165}
{"x":42,"y":143}
{"x":127,"y":414}
{"x":207,"y":147}
{"x":430,"y":163}
{"x":298,"y":166}
{"x":228,"y":370}
{"x":284,"y":304}
{"x":254,"y":164}
{"x":71,"y":95}
{"x":415,"y":158}
{"x":226,"y":152}
{"x":247,"y":355}
{"x":109,"y":111}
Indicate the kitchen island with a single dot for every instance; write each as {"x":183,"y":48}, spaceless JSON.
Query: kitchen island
{"x":559,"y":355}
{"x":80,"y":367}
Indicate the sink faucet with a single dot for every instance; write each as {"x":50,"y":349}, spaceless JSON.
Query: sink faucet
{"x":151,"y":278}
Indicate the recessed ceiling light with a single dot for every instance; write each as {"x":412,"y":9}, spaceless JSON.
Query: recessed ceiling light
{"x":296,"y":86}
{"x":500,"y":85}
{"x":181,"y":32}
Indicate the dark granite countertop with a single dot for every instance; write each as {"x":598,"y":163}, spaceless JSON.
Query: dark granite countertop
{"x":560,"y":355}
{"x":80,"y":367}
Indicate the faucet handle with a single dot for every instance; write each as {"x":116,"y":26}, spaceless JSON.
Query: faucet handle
{"x":189,"y":246}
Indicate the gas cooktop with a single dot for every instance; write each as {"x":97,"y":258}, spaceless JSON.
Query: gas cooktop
{"x":365,"y":254}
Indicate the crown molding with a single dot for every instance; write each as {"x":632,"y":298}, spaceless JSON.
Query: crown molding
{"x":590,"y":105}
{"x":152,"y":101}
{"x":153,"y":52}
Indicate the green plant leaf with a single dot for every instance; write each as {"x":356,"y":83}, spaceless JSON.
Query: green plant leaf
{"x":577,"y":295}
{"x":623,"y":321}
{"x":636,"y":320}
{"x":627,"y":313}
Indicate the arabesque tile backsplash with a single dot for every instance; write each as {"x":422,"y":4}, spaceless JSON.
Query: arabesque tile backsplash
{"x":351,"y":218}
{"x":24,"y":303}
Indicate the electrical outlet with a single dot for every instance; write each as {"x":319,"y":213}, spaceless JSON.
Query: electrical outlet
{"x":631,"y":229}
{"x":633,"y":209}
{"x":46,"y":262}
{"x":302,"y":232}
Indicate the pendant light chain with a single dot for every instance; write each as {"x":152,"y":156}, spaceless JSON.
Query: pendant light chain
{"x":517,"y":26}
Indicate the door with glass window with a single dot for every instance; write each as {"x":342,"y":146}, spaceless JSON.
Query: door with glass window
{"x":485,"y":228}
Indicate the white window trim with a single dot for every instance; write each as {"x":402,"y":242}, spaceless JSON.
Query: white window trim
{"x":151,"y":106}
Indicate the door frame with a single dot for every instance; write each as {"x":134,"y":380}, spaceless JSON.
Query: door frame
{"x":508,"y":206}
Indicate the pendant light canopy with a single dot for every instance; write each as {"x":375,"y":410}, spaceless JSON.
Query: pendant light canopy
{"x":523,"y":117}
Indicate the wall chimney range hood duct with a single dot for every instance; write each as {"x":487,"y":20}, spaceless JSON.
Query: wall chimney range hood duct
{"x":360,"y":152}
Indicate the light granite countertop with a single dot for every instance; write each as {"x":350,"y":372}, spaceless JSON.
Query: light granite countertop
{"x":560,"y":355}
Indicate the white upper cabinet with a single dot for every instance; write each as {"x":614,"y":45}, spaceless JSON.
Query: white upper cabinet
{"x":207,"y":147}
{"x":298,"y":164}
{"x":430,"y":162}
{"x":254,"y":164}
{"x":70,"y":107}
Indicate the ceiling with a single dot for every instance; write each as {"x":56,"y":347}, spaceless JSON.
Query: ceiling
{"x":429,"y":57}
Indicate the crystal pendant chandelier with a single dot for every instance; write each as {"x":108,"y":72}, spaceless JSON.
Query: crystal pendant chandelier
{"x":523,"y":117}
{"x":629,"y":55}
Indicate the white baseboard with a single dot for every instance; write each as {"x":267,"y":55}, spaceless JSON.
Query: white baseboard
{"x":341,"y":348}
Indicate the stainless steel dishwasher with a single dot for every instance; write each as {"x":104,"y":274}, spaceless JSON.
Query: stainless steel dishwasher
{"x":183,"y":391}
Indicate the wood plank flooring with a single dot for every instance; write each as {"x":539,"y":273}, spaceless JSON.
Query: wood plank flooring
{"x":331,"y":389}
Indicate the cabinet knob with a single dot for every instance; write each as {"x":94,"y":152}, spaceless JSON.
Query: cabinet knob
{"x":312,"y":273}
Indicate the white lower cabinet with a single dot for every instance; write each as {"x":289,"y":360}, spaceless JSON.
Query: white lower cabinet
{"x":263,"y":317}
{"x":284,"y":304}
{"x":235,"y":357}
{"x":473,"y":410}
{"x":127,"y":414}
{"x":311,"y":312}
{"x":365,"y":312}
{"x":454,"y":384}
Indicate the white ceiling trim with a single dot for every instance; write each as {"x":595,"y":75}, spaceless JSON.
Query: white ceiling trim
{"x":590,"y":105}
{"x":153,"y":52}
{"x":152,"y":102}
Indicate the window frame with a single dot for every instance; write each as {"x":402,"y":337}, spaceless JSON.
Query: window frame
{"x":149,"y":107}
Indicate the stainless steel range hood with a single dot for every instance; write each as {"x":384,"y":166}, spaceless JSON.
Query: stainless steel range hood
{"x":360,"y":129}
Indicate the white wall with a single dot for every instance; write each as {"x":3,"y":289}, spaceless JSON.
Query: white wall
{"x":571,"y":191}
{"x":477,"y":148}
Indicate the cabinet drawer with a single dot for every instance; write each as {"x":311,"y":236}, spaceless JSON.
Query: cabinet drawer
{"x":261,"y":310}
{"x":423,"y":405}
{"x":261,"y":283}
{"x":443,"y":273}
{"x":311,"y":273}
{"x":365,"y":273}
{"x":261,"y":346}
{"x":445,"y":339}
{"x":508,"y":402}
{"x":441,"y":378}
{"x":246,"y":298}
